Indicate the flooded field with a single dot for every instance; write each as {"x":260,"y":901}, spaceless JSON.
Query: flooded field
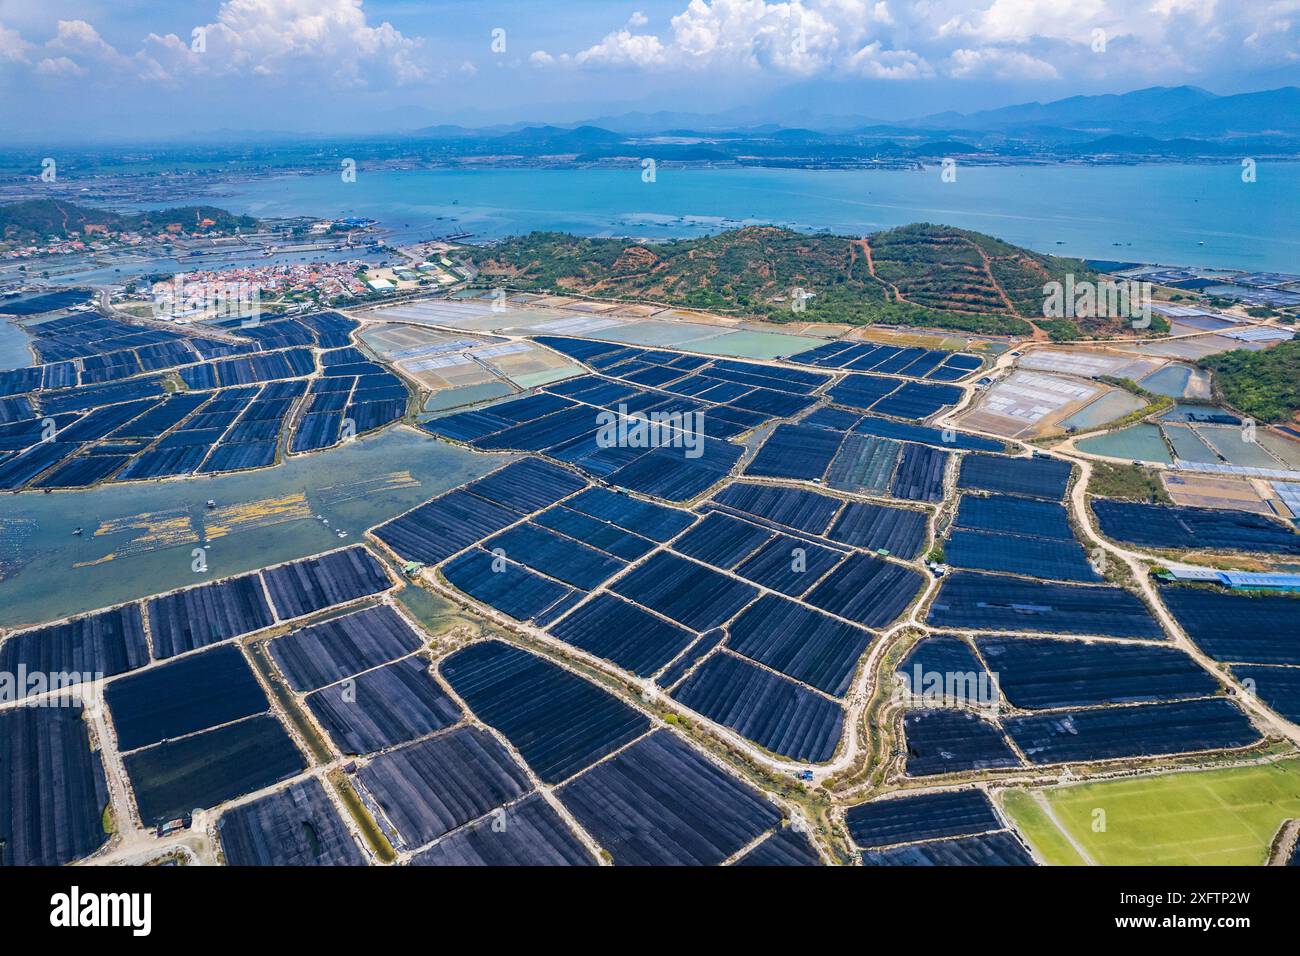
{"x":710,"y":340}
{"x":466,"y":395}
{"x":1284,"y":449}
{"x":756,"y":345}
{"x":1237,"y":447}
{"x":656,"y":333}
{"x":141,"y":539}
{"x":14,"y":352}
{"x":1178,"y":381}
{"x":1188,"y":446}
{"x":1138,"y":443}
{"x":1109,"y":407}
{"x":625,"y":324}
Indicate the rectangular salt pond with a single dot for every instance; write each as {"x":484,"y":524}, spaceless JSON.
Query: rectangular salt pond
{"x":1197,"y":411}
{"x":1231,"y":443}
{"x":1141,"y":442}
{"x":466,"y":395}
{"x":538,"y":379}
{"x":1109,"y":407}
{"x":708,"y":339}
{"x":1171,"y":381}
{"x":1178,"y":381}
{"x":1284,"y":449}
{"x":649,"y":332}
{"x":1187,"y":446}
{"x":755,"y":345}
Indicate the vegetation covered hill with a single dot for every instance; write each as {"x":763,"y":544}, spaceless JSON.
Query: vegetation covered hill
{"x":1264,"y":385}
{"x":56,"y":218}
{"x":918,"y":275}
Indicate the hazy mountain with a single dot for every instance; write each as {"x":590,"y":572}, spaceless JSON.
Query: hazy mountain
{"x":1127,"y":110}
{"x":1262,"y":112}
{"x":530,"y":138}
{"x":1158,"y":111}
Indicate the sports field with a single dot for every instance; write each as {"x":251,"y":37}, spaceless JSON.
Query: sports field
{"x":1220,"y":817}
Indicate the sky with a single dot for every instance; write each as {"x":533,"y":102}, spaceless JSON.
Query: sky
{"x":124,"y":69}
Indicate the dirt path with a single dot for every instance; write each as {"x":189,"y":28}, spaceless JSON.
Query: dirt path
{"x":865,"y":245}
{"x":1039,"y":335}
{"x":1139,"y":569}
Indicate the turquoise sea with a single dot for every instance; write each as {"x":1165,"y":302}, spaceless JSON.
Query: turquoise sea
{"x":1200,"y":215}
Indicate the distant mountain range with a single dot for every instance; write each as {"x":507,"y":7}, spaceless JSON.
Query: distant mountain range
{"x":1170,"y":122}
{"x":1182,"y":123}
{"x":1157,"y":111}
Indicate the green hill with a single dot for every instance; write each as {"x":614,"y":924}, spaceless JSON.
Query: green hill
{"x":46,"y":218}
{"x":918,"y":275}
{"x":1264,"y":385}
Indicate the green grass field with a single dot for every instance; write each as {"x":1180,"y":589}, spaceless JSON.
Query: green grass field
{"x":1217,"y":817}
{"x":1034,"y":824}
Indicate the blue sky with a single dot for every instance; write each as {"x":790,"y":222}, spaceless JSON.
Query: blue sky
{"x":91,"y":68}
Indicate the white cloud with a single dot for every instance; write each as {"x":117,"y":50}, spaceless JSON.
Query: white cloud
{"x":58,"y":66}
{"x":1021,"y":20}
{"x":1000,"y":64}
{"x":1009,"y":40}
{"x":624,"y":48}
{"x":77,"y":49}
{"x":12,"y":46}
{"x":877,"y":64}
{"x":1202,"y":10}
{"x":796,"y":38}
{"x":333,"y":38}
{"x":329,"y":40}
{"x":1267,"y":30}
{"x":335,"y":44}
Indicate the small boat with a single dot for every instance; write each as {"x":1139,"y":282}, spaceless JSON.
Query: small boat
{"x":211,"y":503}
{"x":77,"y":533}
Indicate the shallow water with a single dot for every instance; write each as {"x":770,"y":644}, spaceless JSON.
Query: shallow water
{"x":47,"y":572}
{"x":14,"y":348}
{"x":1105,"y":409}
{"x":1139,"y":442}
{"x":755,"y":345}
{"x":1188,"y":447}
{"x":466,"y":395}
{"x":1233,"y":444}
{"x":1172,"y":380}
